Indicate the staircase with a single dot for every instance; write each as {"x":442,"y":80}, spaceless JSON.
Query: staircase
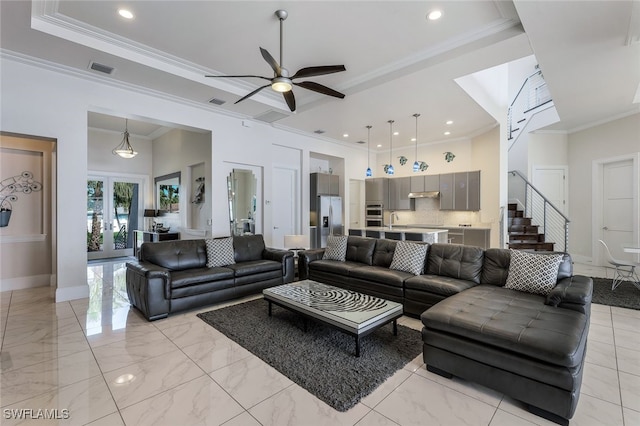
{"x":522,"y":234}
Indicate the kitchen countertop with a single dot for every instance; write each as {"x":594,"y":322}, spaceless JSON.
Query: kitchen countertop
{"x":401,"y":228}
{"x":417,"y":225}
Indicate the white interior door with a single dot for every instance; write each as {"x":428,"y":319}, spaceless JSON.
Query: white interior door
{"x":285,"y":205}
{"x":552,"y":182}
{"x":114,"y":211}
{"x":617,"y":206}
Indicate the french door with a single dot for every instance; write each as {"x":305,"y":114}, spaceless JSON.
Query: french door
{"x":113,"y":212}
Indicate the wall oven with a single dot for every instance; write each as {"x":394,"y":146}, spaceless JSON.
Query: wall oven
{"x":374,"y":215}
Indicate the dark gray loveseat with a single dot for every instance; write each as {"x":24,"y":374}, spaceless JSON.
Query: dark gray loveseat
{"x":528,"y":346}
{"x":172,"y":276}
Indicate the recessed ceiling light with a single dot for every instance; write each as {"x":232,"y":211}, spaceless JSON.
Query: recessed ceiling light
{"x":125,"y":13}
{"x":447,"y":133}
{"x":345,"y":135}
{"x":450,"y":122}
{"x":434,"y":15}
{"x":396,"y":133}
{"x":379,"y":145}
{"x":413,"y":139}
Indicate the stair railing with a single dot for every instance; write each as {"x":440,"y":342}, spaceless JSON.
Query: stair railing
{"x":532,"y":94}
{"x":554,"y":224}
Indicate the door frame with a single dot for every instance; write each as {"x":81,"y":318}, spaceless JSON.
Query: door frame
{"x":597,"y":255}
{"x":143,"y":191}
{"x":295,"y":200}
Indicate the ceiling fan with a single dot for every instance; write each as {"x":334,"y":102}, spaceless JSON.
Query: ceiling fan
{"x":282,"y":81}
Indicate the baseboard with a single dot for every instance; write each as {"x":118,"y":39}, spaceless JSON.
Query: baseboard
{"x":21,"y":283}
{"x":64,"y":294}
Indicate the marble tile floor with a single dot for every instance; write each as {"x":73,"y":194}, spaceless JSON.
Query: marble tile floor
{"x":97,"y":361}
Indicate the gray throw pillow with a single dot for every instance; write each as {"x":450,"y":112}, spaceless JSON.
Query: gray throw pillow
{"x":336,"y":248}
{"x":220,"y":252}
{"x":409,"y":257}
{"x":533,"y":273}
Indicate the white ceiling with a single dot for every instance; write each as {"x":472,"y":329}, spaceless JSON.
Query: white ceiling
{"x":398,"y":63}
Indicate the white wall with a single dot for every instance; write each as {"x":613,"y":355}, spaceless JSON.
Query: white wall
{"x":613,"y":139}
{"x":47,"y":103}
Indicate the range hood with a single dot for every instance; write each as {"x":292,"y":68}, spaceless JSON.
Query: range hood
{"x":426,"y":194}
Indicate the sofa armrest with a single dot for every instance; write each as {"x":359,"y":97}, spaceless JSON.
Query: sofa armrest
{"x":148,"y":288}
{"x":573,"y":292}
{"x":304,"y":258}
{"x":283,"y":256}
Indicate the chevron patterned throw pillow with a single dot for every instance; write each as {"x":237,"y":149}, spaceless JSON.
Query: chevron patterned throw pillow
{"x":220,"y":252}
{"x":336,"y":248}
{"x":409,"y":257}
{"x":533,"y":273}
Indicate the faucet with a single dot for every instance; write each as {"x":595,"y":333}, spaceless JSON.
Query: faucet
{"x":391,"y":216}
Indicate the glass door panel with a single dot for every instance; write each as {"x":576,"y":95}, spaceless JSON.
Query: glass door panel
{"x":95,"y":216}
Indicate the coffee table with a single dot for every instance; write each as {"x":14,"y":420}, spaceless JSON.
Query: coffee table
{"x":351,"y":312}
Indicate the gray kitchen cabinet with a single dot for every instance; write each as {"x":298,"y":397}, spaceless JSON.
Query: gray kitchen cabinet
{"x":417,"y":183}
{"x":431,"y":183}
{"x":455,"y":235}
{"x":325,"y":184}
{"x":460,"y":191}
{"x":477,"y":237}
{"x":377,"y":191}
{"x":399,"y":189}
{"x":446,"y":191}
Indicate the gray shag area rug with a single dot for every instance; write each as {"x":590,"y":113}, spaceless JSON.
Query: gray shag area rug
{"x":322,"y":359}
{"x":626,"y":295}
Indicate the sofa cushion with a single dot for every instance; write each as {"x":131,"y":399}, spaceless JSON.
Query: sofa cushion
{"x":383,"y":252}
{"x":360,"y":249}
{"x":220,"y":252}
{"x":533,"y":273}
{"x":334,"y":266}
{"x":194,"y":276}
{"x":512,"y":320}
{"x":175,"y":255}
{"x":409,"y":257}
{"x":380,"y":274}
{"x":496,"y":266}
{"x":336,"y":248}
{"x":252,"y":267}
{"x":442,"y":286}
{"x":455,"y":261}
{"x":248,"y":247}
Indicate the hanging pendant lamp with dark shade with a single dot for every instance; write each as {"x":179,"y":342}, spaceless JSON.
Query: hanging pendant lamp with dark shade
{"x":125,"y":150}
{"x":390,"y":170}
{"x":416,"y":164}
{"x":369,"y":173}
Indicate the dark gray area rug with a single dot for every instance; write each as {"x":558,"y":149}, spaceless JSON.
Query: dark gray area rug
{"x":626,"y":295}
{"x":321,"y":360}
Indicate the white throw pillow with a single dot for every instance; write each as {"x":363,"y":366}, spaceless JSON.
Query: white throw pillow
{"x":409,"y":257}
{"x":220,"y":252}
{"x":336,"y":248}
{"x":533,"y":273}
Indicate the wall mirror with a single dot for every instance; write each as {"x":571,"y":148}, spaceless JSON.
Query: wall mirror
{"x":242,"y":187}
{"x":167,"y":193}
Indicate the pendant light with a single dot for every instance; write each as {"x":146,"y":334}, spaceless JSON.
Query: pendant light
{"x":125,"y":150}
{"x":416,"y":164}
{"x":390,"y":168}
{"x":368,"y":173}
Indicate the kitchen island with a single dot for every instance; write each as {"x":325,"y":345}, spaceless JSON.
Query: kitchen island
{"x":403,"y":233}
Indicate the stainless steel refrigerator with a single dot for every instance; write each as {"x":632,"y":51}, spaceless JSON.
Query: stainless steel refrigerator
{"x":329,"y":218}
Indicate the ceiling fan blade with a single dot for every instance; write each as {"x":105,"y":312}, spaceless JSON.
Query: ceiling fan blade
{"x":313,"y":71}
{"x":310,"y":85}
{"x":291,"y":100}
{"x":238,"y":76}
{"x":252,"y":93}
{"x":272,"y":62}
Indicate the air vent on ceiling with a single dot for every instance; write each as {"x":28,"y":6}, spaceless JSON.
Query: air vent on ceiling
{"x":361,"y":142}
{"x":270,"y":116}
{"x":319,"y":131}
{"x":216,"y":101}
{"x":106,"y":69}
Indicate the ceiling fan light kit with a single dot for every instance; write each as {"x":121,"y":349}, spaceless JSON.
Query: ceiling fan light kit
{"x":281,"y":82}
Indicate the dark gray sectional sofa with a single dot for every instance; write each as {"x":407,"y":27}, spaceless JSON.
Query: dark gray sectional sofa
{"x":172,"y":276}
{"x":528,"y":346}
